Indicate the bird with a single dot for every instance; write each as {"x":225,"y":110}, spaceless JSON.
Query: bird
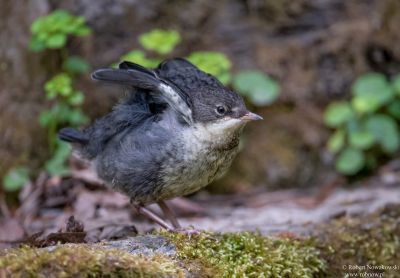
{"x":176,"y":130}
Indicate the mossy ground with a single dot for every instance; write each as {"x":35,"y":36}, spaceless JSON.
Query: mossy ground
{"x":250,"y":255}
{"x":369,"y":240}
{"x":85,"y":261}
{"x":372,"y":240}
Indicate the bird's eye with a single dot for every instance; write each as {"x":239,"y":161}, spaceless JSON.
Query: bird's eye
{"x":220,"y":109}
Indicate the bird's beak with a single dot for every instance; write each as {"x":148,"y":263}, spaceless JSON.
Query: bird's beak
{"x":249,"y":116}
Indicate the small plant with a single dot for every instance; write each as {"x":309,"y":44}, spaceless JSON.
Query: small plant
{"x":52,"y":32}
{"x":15,"y":179}
{"x":65,"y":111}
{"x":257,"y":87}
{"x":366,"y":127}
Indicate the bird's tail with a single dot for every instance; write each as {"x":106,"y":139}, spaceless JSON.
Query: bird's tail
{"x":72,"y":135}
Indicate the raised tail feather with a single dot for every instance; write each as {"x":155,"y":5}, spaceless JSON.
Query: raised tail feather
{"x":72,"y":135}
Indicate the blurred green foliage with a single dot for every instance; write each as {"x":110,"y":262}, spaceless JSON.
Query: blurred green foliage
{"x":259,"y":88}
{"x":256,"y":86}
{"x":212,"y":62}
{"x":139,"y":57}
{"x":366,"y":127}
{"x":161,"y":41}
{"x":51,"y":31}
{"x":15,"y":179}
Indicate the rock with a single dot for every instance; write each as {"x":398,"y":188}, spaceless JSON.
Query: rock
{"x":147,"y":245}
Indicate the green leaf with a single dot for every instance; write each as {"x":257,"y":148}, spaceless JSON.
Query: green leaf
{"x":337,"y":114}
{"x":394,"y":109}
{"x":37,"y":25}
{"x":396,"y":84}
{"x":353,"y":125}
{"x":15,"y":179}
{"x":361,"y":140}
{"x":385,"y":131}
{"x":214,"y":63}
{"x":46,"y":117}
{"x":350,"y":161}
{"x":36,"y":45}
{"x":56,"y":41}
{"x":56,"y":166}
{"x":139,"y":57}
{"x":76,"y":117}
{"x":160,"y":41}
{"x":247,"y":81}
{"x":371,"y":83}
{"x":51,"y":31}
{"x":371,"y":92}
{"x":258,"y":87}
{"x":336,"y":141}
{"x":373,"y":101}
{"x":225,"y":77}
{"x":76,"y":98}
{"x":75,"y":64}
{"x":82,"y":31}
{"x":364,"y":105}
{"x":61,"y":84}
{"x":265,"y":95}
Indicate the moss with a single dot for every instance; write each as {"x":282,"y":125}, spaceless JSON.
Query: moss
{"x":372,"y":240}
{"x":85,"y":261}
{"x":248,"y":254}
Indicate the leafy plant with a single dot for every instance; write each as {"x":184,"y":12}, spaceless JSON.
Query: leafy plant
{"x":52,"y":32}
{"x":367,"y":125}
{"x":256,"y":86}
{"x":15,"y":179}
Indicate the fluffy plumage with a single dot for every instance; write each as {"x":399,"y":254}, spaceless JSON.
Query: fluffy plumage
{"x":177,"y":130}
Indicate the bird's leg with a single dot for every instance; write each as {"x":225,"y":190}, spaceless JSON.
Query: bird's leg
{"x":149,"y":214}
{"x":169,"y":214}
{"x":171,"y":217}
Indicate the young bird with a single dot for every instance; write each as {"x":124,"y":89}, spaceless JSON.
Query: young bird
{"x":177,"y":131}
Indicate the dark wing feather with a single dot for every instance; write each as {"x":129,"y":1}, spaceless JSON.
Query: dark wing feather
{"x":139,"y":77}
{"x":135,"y":78}
{"x":132,"y":66}
{"x":174,"y":64}
{"x":73,"y":135}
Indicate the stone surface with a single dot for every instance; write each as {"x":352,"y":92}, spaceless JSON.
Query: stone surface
{"x":285,"y":215}
{"x":147,"y":245}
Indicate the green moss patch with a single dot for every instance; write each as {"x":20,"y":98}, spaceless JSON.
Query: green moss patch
{"x":85,"y":261}
{"x":360,"y":242}
{"x":248,"y":254}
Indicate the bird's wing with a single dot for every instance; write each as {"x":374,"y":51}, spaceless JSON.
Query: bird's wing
{"x":139,"y":77}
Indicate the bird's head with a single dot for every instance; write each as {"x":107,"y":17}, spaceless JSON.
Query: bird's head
{"x":212,"y":103}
